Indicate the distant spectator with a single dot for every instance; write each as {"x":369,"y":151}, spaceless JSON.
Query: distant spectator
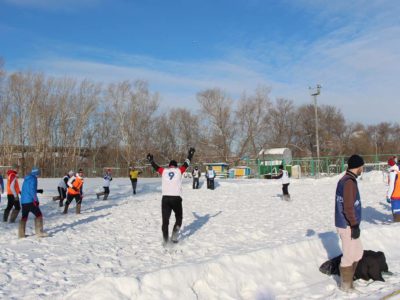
{"x":196,"y":174}
{"x":133,"y":176}
{"x":210,"y":175}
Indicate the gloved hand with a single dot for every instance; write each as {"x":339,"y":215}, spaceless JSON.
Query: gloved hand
{"x":191,"y":152}
{"x":17,"y":198}
{"x":75,"y":188}
{"x":149,"y":157}
{"x":388,"y":200}
{"x":355,"y":232}
{"x":36,"y":203}
{"x":40,"y":191}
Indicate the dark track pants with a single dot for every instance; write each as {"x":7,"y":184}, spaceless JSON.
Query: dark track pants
{"x":70,"y":198}
{"x":195,"y":183}
{"x":62,"y":193}
{"x":30,"y":207}
{"x":285,"y":189}
{"x":134,"y":184}
{"x":169,"y":204}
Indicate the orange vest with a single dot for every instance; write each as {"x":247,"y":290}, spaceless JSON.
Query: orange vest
{"x":12,"y":176}
{"x":396,"y":191}
{"x":77,"y":184}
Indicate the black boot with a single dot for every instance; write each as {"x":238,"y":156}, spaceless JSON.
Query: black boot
{"x":61,"y":204}
{"x":6,"y":214}
{"x":165,"y":236}
{"x":66,"y":208}
{"x":14,"y":215}
{"x":105,"y":196}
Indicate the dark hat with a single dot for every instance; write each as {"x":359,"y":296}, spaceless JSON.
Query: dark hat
{"x":173,"y":163}
{"x":281,"y":167}
{"x":355,"y":161}
{"x":80,"y":171}
{"x":196,"y":167}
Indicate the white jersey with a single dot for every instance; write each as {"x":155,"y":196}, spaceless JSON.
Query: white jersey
{"x":107,"y":179}
{"x":211,"y":174}
{"x":285,"y":177}
{"x":171,"y":182}
{"x":62,"y":184}
{"x":196,"y":173}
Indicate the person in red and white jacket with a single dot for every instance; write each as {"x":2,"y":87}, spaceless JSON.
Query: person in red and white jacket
{"x":171,"y":193}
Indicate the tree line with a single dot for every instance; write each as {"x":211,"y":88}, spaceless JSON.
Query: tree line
{"x":66,"y":123}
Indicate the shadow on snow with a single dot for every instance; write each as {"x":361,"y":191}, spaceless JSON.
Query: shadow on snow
{"x":197,"y":224}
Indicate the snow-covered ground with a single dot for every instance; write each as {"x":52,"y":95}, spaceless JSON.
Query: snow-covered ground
{"x":240,"y":241}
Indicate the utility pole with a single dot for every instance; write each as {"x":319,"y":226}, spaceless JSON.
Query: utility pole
{"x":315,"y":92}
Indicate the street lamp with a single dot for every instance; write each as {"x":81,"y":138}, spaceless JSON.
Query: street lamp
{"x":315,"y":92}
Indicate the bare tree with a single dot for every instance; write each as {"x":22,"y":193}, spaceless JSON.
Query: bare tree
{"x":282,"y":123}
{"x":134,"y":107}
{"x":253,"y":122}
{"x":218,"y":123}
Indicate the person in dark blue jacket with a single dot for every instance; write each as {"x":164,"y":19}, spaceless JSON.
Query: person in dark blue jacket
{"x":348,"y":219}
{"x":30,"y":203}
{"x":1,"y":185}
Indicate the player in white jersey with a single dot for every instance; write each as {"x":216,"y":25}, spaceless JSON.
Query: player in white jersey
{"x":171,"y":193}
{"x":285,"y":182}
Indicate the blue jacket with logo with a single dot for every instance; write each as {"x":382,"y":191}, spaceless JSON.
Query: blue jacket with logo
{"x":352,"y":217}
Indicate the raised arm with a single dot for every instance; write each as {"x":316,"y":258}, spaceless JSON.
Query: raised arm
{"x":156,"y":167}
{"x":188,"y":159}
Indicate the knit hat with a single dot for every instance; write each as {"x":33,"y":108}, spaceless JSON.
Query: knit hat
{"x":355,"y":161}
{"x":35,"y":171}
{"x":71,"y":173}
{"x":173,"y":163}
{"x":391,"y":162}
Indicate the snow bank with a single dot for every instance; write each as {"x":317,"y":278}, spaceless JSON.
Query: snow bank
{"x":288,"y":271}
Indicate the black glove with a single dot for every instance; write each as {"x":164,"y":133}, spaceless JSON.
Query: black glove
{"x":355,"y":232}
{"x":191,"y":153}
{"x":149,"y":157}
{"x":40,"y":191}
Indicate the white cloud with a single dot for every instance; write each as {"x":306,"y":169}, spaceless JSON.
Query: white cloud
{"x":357,"y":63}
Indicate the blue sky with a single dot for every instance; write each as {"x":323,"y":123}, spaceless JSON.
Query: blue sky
{"x":351,"y":48}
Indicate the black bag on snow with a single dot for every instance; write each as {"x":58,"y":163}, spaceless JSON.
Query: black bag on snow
{"x":371,"y":266}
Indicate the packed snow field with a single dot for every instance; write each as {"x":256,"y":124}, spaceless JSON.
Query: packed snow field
{"x":239,"y":241}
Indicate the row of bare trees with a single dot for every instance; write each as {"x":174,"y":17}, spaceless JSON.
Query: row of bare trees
{"x":63,"y":123}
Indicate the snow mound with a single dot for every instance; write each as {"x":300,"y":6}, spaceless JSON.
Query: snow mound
{"x":287,"y":271}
